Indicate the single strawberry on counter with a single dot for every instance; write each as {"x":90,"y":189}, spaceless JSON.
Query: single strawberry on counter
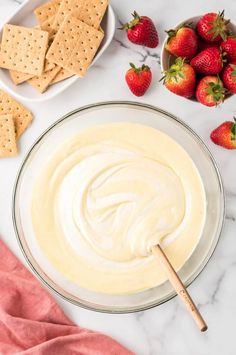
{"x":229,"y":47}
{"x":180,"y":78}
{"x":210,"y":91}
{"x":209,"y":61}
{"x":225,"y":135}
{"x":138,"y":79}
{"x":141,"y":30}
{"x":229,"y":77}
{"x":212,"y":27}
{"x":182,"y":42}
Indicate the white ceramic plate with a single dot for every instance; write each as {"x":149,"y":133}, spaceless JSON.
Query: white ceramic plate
{"x":25,"y":17}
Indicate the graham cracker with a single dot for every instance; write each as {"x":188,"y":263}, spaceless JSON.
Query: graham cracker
{"x":47,"y":26}
{"x":42,"y":82}
{"x":22,"y":116}
{"x":23,"y":49}
{"x":46,"y":11}
{"x":61,"y":75}
{"x":88,"y":11}
{"x":74,"y":46}
{"x":19,"y":78}
{"x":8,"y":146}
{"x":48,"y":65}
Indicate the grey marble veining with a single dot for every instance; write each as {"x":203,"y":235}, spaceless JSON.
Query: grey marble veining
{"x":167,"y":329}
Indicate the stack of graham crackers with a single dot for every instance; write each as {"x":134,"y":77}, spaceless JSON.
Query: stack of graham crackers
{"x":14,"y":119}
{"x":63,"y":44}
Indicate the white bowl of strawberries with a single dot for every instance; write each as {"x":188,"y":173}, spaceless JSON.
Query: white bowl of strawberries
{"x":198,"y":59}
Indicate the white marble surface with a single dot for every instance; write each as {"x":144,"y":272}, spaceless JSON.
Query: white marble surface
{"x":167,"y":329}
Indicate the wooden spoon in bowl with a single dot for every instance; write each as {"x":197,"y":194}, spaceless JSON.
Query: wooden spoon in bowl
{"x":179,"y":287}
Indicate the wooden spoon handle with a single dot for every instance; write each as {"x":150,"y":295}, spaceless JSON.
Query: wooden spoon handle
{"x":179,"y":287}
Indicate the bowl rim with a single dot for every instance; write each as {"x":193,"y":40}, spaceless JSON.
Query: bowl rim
{"x":200,"y":268}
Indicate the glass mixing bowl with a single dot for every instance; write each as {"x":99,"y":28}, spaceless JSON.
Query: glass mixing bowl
{"x":103,"y":113}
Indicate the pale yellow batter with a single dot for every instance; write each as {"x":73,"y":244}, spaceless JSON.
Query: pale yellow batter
{"x":107,"y":196}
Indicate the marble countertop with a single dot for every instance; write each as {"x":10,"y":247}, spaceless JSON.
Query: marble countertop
{"x":167,"y":329}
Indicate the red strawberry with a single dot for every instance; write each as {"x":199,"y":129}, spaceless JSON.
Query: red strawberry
{"x":205,"y":45}
{"x":212,"y":27}
{"x":229,"y":77}
{"x":182,"y":42}
{"x":141,"y":30}
{"x":229,"y":47}
{"x":180,"y":78}
{"x":210,"y":91}
{"x":208,"y":62}
{"x":138,"y":79}
{"x":225,"y":135}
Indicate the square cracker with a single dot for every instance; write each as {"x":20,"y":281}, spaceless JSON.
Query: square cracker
{"x":42,"y":82}
{"x":88,"y":11}
{"x":8,"y":146}
{"x":74,"y":46}
{"x":22,"y":116}
{"x":48,"y":65}
{"x":19,"y":78}
{"x":23,"y":49}
{"x":61,"y":75}
{"x":46,"y":11}
{"x":47,"y":26}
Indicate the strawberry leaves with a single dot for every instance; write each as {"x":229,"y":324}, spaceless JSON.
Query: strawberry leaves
{"x":135,"y":21}
{"x":175,"y":71}
{"x":139,"y":69}
{"x":233,"y":130}
{"x":233,"y":66}
{"x":216,"y":91}
{"x":218,"y":26}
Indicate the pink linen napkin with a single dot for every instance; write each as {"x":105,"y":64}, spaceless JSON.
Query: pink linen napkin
{"x":31,"y":322}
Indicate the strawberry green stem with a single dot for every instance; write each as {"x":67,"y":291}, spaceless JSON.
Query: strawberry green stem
{"x":219,"y":26}
{"x":175,"y":71}
{"x":139,"y":69}
{"x":216,"y":90}
{"x":132,"y":23}
{"x":233,"y":130}
{"x":233,"y":73}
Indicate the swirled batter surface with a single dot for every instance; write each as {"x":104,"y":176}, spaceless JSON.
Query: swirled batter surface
{"x":107,"y":196}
